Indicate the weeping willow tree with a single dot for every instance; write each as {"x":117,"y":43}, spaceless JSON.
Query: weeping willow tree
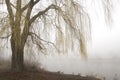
{"x":56,"y":25}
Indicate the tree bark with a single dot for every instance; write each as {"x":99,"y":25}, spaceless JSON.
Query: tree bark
{"x":17,"y":55}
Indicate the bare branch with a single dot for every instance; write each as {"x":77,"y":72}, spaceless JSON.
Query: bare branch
{"x":27,"y":5}
{"x":13,"y":5}
{"x":5,"y":25}
{"x":52,"y":6}
{"x":39,"y":44}
{"x":27,"y":20}
{"x":48,"y":42}
{"x":5,"y":37}
{"x":35,"y":2}
{"x":11,"y":15}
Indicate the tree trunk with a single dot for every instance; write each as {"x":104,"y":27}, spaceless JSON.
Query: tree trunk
{"x":17,"y":55}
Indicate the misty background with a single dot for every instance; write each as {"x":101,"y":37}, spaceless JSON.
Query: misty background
{"x":103,"y":48}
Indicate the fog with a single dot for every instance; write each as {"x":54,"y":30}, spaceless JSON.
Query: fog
{"x":103,"y":48}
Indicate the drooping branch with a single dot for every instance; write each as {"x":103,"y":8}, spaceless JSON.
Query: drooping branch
{"x":29,"y":21}
{"x":107,"y":7}
{"x":52,"y":6}
{"x":33,"y":35}
{"x":4,"y":25}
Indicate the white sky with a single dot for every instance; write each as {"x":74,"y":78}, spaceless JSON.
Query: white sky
{"x":105,"y":39}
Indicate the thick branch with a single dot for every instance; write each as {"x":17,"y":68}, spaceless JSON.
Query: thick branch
{"x":52,"y":6}
{"x":27,"y":19}
{"x":27,"y":5}
{"x":11,"y":15}
{"x":35,"y":2}
{"x":18,"y":10}
{"x":18,"y":17}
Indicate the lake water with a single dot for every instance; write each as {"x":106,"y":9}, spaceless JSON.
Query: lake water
{"x":108,"y":68}
{"x":101,"y":68}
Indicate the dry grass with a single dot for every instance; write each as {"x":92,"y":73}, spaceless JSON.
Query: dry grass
{"x":40,"y":75}
{"x":33,"y":73}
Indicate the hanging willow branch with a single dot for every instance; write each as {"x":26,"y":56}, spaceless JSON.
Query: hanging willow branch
{"x":63,"y":23}
{"x":107,"y":6}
